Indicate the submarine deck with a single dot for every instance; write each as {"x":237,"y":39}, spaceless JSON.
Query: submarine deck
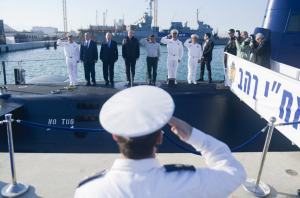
{"x":57,"y":175}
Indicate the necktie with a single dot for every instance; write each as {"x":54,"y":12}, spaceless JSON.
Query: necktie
{"x":87,"y":45}
{"x":108,"y":44}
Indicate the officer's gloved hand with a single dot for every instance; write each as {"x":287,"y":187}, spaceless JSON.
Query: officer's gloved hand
{"x":182,"y":129}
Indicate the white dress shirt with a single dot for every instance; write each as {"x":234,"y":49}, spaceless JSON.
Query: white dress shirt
{"x":205,"y":44}
{"x":147,"y":178}
{"x":70,"y":49}
{"x":194,"y":49}
{"x":174,"y":47}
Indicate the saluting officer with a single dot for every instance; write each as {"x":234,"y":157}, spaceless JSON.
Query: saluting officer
{"x":153,"y":54}
{"x":138,"y":173}
{"x":71,"y":50}
{"x":195,"y":54}
{"x":175,"y":53}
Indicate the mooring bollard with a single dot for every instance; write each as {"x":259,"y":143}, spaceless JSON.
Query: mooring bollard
{"x":4,"y":72}
{"x":55,"y":45}
{"x":256,"y":187}
{"x":14,"y":189}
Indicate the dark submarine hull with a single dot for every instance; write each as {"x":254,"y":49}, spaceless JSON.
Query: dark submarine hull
{"x":217,"y":112}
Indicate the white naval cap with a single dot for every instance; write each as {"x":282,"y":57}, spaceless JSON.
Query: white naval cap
{"x":194,"y":36}
{"x":174,"y":31}
{"x":137,"y":111}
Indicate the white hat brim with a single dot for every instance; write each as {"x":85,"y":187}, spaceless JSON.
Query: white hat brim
{"x":137,"y":111}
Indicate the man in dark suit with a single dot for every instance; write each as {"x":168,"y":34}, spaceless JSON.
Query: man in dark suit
{"x":89,"y":56}
{"x":207,"y":48}
{"x":230,"y":46}
{"x":261,"y":51}
{"x":109,"y":55}
{"x":130,"y":53}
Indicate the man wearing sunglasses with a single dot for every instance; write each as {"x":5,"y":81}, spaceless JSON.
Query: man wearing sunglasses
{"x":230,"y":46}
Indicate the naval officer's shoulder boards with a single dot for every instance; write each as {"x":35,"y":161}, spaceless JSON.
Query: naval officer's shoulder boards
{"x":92,"y":177}
{"x":179,"y":167}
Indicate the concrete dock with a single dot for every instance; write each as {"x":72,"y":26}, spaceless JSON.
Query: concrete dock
{"x":28,"y":45}
{"x":25,"y":46}
{"x":57,"y":175}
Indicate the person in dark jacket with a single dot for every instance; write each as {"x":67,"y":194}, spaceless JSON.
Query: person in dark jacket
{"x":89,"y":57}
{"x":261,"y":51}
{"x":109,"y":55}
{"x":130,"y":53}
{"x":207,"y":48}
{"x":230,"y":46}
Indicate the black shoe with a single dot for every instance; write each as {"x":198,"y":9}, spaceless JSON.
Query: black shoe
{"x":88,"y":84}
{"x":94,"y":83}
{"x":154,"y":83}
{"x":209,"y":81}
{"x":200,"y":79}
{"x":112,"y":84}
{"x":128,"y":83}
{"x":106,"y":83}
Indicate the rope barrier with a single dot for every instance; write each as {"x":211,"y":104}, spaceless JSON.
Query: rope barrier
{"x":288,"y":123}
{"x":232,"y":150}
{"x":102,"y":130}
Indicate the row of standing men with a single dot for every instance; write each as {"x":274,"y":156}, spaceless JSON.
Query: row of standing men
{"x":88,"y":54}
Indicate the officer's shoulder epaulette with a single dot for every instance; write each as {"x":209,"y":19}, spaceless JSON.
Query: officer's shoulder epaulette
{"x":179,"y":167}
{"x":92,"y":177}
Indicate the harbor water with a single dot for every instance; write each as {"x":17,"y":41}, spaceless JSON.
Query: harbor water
{"x":44,"y":61}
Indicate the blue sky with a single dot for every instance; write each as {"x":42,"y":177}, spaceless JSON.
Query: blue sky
{"x":221,"y":14}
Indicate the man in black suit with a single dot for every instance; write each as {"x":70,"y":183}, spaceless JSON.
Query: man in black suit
{"x":130,"y":53}
{"x":109,"y":55}
{"x":89,"y":56}
{"x":230,"y":46}
{"x":261,"y":51}
{"x":207,"y":48}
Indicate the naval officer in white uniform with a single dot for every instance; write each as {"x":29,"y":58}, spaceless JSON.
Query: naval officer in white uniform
{"x":71,"y":50}
{"x":195,"y":54}
{"x":175,"y":53}
{"x":136,"y":128}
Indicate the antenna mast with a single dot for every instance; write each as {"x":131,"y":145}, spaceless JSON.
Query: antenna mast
{"x":65,"y":16}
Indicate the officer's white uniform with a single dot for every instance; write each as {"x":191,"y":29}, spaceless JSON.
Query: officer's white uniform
{"x":195,"y":54}
{"x":72,"y":55}
{"x":175,"y":53}
{"x":146,"y":177}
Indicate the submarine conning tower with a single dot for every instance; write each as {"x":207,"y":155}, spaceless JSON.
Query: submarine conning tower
{"x":282,"y":17}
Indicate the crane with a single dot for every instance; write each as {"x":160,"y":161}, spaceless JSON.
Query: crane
{"x":104,"y":17}
{"x":155,"y":10}
{"x":65,"y":16}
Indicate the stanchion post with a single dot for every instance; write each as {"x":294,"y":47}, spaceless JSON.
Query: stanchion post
{"x":14,"y":189}
{"x":255,"y":186}
{"x":4,"y":72}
